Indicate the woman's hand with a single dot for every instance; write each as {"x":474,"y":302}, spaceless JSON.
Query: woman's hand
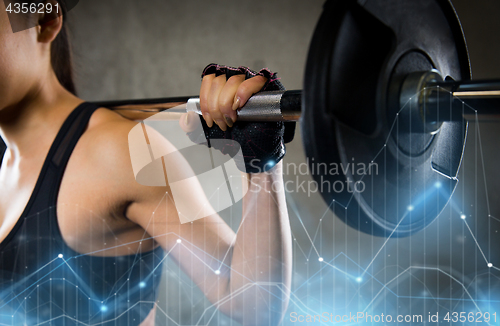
{"x":261,"y":143}
{"x":219,"y":99}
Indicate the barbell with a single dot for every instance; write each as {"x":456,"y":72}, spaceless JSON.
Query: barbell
{"x":387,"y":85}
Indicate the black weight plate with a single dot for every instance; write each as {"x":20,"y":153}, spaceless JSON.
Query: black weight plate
{"x":359,"y":55}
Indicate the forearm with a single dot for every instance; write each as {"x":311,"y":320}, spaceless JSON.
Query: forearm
{"x":246,"y":275}
{"x":262,"y":253}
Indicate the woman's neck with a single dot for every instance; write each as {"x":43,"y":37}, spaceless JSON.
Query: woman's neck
{"x":31,"y":125}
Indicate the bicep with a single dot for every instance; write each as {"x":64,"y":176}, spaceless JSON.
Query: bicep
{"x":202,"y":248}
{"x":156,"y":211}
{"x":179,"y":209}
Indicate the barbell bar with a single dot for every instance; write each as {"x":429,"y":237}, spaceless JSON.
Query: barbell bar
{"x":264,"y":106}
{"x":387,"y":83}
{"x":287,"y":105}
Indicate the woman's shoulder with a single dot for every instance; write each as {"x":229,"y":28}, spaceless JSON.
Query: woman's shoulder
{"x":104,"y":144}
{"x":107,"y":130}
{"x":104,"y":117}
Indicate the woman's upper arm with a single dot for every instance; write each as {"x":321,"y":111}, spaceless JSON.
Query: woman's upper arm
{"x":168,"y":216}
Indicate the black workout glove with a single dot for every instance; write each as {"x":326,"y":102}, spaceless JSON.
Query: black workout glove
{"x":262,"y":143}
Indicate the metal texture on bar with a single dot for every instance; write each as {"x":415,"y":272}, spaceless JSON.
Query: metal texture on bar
{"x":264,"y":106}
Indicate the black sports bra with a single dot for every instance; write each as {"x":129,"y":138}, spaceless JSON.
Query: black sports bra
{"x":43,"y":281}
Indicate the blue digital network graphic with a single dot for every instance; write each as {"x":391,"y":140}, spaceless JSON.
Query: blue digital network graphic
{"x":442,"y":273}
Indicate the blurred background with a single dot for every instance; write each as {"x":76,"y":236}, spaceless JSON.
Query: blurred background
{"x":156,"y":48}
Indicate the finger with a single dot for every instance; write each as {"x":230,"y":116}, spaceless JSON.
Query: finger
{"x":213,"y":101}
{"x":226,"y":98}
{"x":188,"y":121}
{"x":204,"y":93}
{"x":247,"y":89}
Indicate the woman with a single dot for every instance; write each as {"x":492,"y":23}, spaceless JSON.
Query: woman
{"x":80,"y":240}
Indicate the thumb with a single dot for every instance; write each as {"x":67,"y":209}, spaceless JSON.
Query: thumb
{"x":189,"y":121}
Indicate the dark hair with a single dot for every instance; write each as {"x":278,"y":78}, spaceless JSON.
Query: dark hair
{"x":61,"y":56}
